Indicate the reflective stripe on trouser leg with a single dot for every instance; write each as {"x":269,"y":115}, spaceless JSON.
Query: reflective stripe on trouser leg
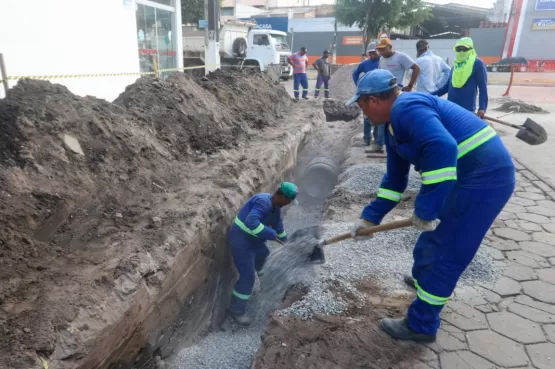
{"x":296,"y":83}
{"x":243,"y":258}
{"x":384,"y":193}
{"x":441,"y":256}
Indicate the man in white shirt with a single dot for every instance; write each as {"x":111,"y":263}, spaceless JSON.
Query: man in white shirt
{"x":434,"y":72}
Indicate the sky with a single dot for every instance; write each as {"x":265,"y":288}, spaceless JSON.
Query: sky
{"x":479,"y":3}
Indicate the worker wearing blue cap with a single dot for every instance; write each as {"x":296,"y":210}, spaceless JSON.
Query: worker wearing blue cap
{"x":467,"y":178}
{"x":258,"y":221}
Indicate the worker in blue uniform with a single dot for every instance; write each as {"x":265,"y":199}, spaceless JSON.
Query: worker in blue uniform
{"x":467,"y":178}
{"x":468,"y":76}
{"x":258,"y":221}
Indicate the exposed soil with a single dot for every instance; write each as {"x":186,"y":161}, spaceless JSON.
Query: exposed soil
{"x":337,"y":111}
{"x":91,"y":236}
{"x":353,"y":340}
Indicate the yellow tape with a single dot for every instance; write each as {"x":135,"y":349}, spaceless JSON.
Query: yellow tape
{"x":44,"y":363}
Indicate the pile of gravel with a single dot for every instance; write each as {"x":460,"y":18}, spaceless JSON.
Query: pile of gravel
{"x":366,"y":178}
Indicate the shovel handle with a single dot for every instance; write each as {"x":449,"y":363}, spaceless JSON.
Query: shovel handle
{"x":502,"y":122}
{"x":371,"y":230}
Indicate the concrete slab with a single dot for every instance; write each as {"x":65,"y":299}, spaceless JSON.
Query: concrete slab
{"x":515,"y":327}
{"x":540,"y":290}
{"x":542,"y":355}
{"x":497,"y":349}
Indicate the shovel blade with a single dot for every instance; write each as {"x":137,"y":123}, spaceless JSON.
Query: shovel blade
{"x":532,"y":133}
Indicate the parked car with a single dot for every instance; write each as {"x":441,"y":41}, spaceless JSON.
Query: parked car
{"x":504,"y":65}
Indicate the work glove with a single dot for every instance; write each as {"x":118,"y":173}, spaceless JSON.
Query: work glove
{"x":361,"y":224}
{"x":424,"y":225}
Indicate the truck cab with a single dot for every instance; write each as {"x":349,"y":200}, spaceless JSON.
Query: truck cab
{"x":271,"y":47}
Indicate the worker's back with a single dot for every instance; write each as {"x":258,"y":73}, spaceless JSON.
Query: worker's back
{"x":264,"y":210}
{"x":481,"y":153}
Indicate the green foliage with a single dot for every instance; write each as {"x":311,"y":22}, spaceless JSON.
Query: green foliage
{"x":378,"y":15}
{"x":192,"y":11}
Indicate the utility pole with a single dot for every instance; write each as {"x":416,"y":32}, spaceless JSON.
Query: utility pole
{"x":334,"y":52}
{"x":212,"y":36}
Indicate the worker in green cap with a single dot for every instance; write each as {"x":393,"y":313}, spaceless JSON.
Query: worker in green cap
{"x":468,"y":76}
{"x":258,"y":221}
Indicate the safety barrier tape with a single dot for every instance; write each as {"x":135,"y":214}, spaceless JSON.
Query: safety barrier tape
{"x":64,"y":76}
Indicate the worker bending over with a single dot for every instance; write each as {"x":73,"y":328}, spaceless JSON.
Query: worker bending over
{"x":258,"y":221}
{"x":467,"y":178}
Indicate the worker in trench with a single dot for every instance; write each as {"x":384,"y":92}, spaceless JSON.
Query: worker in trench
{"x":258,"y":221}
{"x":467,"y":178}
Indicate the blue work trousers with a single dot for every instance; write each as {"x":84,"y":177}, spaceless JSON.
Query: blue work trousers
{"x":249,"y":259}
{"x":379,"y":133}
{"x":300,"y":79}
{"x":441,"y":256}
{"x":322,"y":79}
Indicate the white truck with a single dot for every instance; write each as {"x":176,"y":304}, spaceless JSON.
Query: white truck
{"x":241,"y":45}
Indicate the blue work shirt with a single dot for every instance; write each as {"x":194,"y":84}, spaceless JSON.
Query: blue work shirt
{"x":260,"y":220}
{"x":466,"y":95}
{"x":366,"y":66}
{"x":447,"y":144}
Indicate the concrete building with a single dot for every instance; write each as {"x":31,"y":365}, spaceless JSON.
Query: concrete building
{"x":68,"y":37}
{"x":501,"y":11}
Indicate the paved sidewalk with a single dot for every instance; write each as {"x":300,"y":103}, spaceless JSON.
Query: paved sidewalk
{"x":509,"y":323}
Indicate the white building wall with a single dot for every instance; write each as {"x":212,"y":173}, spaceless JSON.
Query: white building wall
{"x":53,"y":37}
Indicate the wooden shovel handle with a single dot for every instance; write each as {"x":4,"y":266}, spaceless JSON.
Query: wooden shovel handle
{"x":502,"y":122}
{"x":371,"y":230}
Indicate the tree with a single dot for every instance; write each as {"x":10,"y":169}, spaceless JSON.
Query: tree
{"x":373,"y":16}
{"x":192,"y":11}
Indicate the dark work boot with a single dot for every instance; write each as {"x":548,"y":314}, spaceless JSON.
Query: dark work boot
{"x":399,"y":329}
{"x":242,"y":319}
{"x":409,"y":281}
{"x":375,"y":149}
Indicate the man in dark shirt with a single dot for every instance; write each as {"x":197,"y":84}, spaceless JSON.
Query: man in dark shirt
{"x":322,"y":65}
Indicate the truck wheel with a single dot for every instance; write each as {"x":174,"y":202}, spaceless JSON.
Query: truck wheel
{"x":240,"y":47}
{"x":285,"y":78}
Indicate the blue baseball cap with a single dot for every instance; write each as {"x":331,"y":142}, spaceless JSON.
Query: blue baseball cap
{"x":374,"y":82}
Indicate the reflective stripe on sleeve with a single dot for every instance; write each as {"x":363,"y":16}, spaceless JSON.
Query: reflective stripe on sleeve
{"x":439,"y":175}
{"x":282,"y":234}
{"x":475,"y":140}
{"x":384,"y":193}
{"x":240,"y":295}
{"x":428,"y":297}
{"x":252,"y":232}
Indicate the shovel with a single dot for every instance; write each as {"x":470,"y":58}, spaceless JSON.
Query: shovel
{"x":317,"y":255}
{"x":530,"y":132}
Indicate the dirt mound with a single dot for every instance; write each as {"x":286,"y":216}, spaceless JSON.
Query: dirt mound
{"x":518,"y":106}
{"x":338,"y":342}
{"x":337,"y":111}
{"x":342,"y":87}
{"x":98,"y":199}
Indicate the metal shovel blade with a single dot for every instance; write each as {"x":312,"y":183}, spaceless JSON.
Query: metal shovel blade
{"x":312,"y":235}
{"x":532,"y":133}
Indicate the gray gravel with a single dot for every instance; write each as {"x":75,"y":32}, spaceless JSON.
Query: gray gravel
{"x":366,"y":178}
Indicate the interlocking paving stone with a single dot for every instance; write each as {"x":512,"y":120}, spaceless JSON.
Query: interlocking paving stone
{"x":469,"y":295}
{"x":464,"y":317}
{"x":515,"y":327}
{"x":511,"y":234}
{"x":532,"y":188}
{"x":546,"y":203}
{"x":528,"y":226}
{"x":529,"y":175}
{"x":551,"y":194}
{"x":528,"y":259}
{"x":530,"y":195}
{"x":497,"y":349}
{"x":506,"y":215}
{"x":491,"y":297}
{"x":501,"y":244}
{"x":531,"y":313}
{"x":552,"y":261}
{"x":498,"y":223}
{"x":528,"y":301}
{"x":542,"y":186}
{"x":506,"y":287}
{"x":483,"y":308}
{"x":549,"y":330}
{"x":520,"y":272}
{"x":495,"y":253}
{"x":540,"y":290}
{"x":518,"y":166}
{"x":523,"y":201}
{"x":542,"y":355}
{"x":544,"y":237}
{"x":446,"y":341}
{"x":541,"y":210}
{"x":538,"y":248}
{"x":547,"y":275}
{"x":534,"y":218}
{"x":464,"y":360}
{"x":513,"y":208}
{"x":549,"y":227}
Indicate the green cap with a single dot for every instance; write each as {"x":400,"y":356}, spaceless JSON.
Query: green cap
{"x":289,"y":190}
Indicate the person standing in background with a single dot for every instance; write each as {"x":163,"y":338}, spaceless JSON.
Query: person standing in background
{"x":434,"y":72}
{"x":323,"y":67}
{"x":299,"y":62}
{"x":398,"y":63}
{"x":468,"y":76}
{"x":365,"y":67}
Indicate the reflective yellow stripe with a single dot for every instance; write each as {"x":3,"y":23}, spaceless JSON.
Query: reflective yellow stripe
{"x":241,"y":296}
{"x":428,"y":297}
{"x":475,"y":141}
{"x":439,"y":175}
{"x":252,"y":232}
{"x":260,"y":273}
{"x":389,"y":195}
{"x":282,"y":234}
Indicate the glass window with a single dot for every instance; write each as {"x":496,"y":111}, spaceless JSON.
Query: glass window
{"x":155,"y":38}
{"x":280,"y":41}
{"x":163,"y":2}
{"x":226,"y":11}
